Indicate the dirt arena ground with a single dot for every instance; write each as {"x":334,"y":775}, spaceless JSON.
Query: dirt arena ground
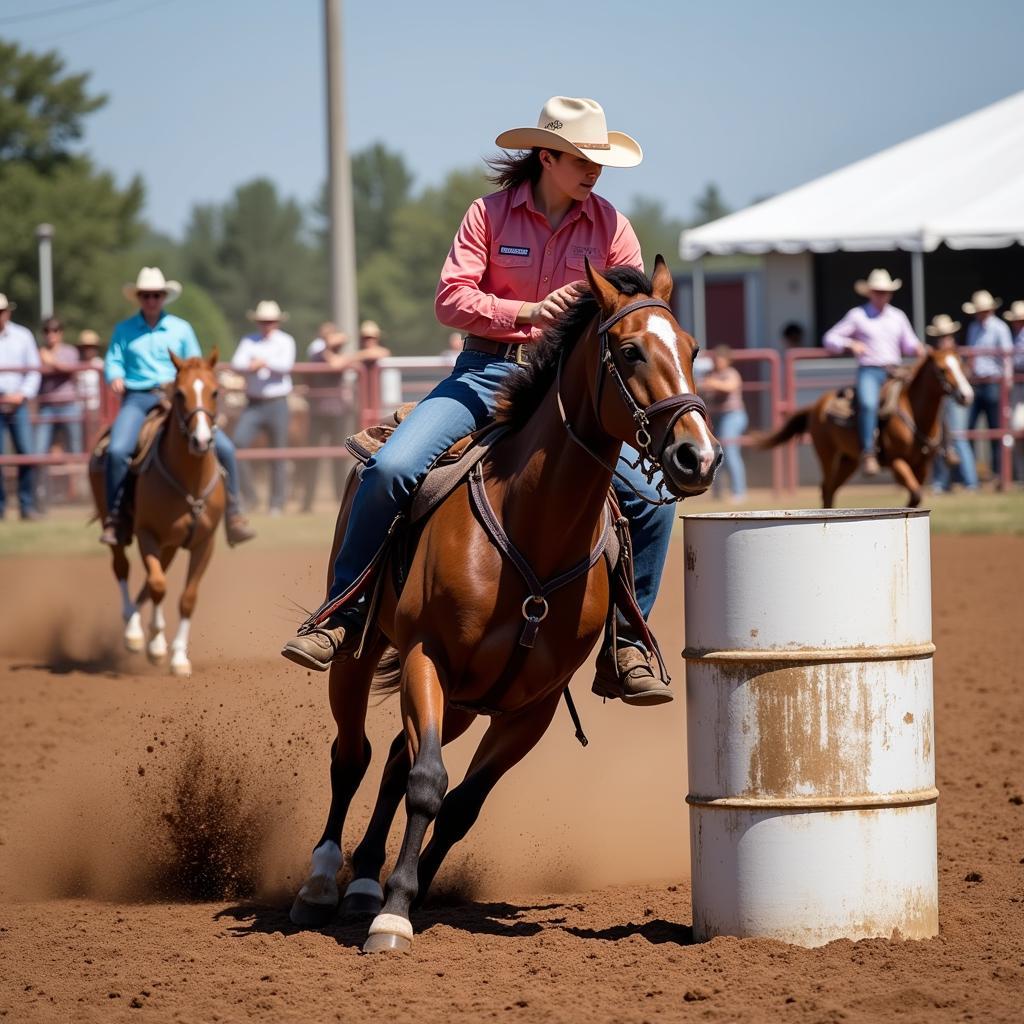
{"x":152,"y":832}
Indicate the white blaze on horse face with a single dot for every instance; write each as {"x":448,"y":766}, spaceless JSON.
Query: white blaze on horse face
{"x":954,"y":367}
{"x":202,"y":432}
{"x":664,"y":332}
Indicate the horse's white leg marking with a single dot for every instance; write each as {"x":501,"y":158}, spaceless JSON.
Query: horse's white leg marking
{"x":365,"y":887}
{"x":201,"y":432}
{"x":663,"y":331}
{"x":391,"y":924}
{"x":180,"y":665}
{"x":157,"y":649}
{"x":134,"y":634}
{"x":322,"y":884}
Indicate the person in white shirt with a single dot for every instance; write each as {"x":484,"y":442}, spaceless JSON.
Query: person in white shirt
{"x":266,"y":357}
{"x":19,"y":384}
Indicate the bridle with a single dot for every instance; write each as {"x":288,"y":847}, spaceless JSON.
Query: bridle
{"x":672,"y":409}
{"x":184,"y":421}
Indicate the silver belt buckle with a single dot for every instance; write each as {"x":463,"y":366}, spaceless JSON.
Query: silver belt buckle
{"x":520,"y":357}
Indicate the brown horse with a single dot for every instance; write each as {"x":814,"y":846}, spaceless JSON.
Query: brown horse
{"x":908,"y":440}
{"x":179,"y":500}
{"x":617,"y":369}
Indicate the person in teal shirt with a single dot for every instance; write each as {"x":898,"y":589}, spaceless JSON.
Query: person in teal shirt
{"x":137,"y":366}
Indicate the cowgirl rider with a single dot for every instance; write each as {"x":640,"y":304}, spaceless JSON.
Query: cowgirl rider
{"x":514,"y":268}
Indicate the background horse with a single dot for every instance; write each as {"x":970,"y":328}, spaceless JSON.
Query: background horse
{"x":461,"y":623}
{"x":908,"y":439}
{"x":179,"y":500}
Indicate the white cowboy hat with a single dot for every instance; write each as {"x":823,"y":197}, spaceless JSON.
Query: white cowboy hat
{"x":369,"y":329}
{"x":151,"y":279}
{"x":6,"y":303}
{"x":1016,"y":311}
{"x":942,"y":325}
{"x":981,"y":302}
{"x":878,"y":281}
{"x":576,"y":126}
{"x":267,"y":312}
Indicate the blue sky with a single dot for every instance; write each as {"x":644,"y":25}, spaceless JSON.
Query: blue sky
{"x":756,"y":95}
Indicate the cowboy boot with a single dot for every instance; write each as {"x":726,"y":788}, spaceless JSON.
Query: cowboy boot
{"x":315,"y":647}
{"x":117,"y":533}
{"x":869,"y":464}
{"x":627,"y":676}
{"x":237,"y":528}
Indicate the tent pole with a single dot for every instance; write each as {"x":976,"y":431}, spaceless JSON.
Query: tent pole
{"x":917,"y":283}
{"x":699,"y":309}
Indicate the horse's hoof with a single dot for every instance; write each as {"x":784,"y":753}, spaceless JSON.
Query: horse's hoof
{"x":156,"y":652}
{"x":135,"y":644}
{"x":385,"y":942}
{"x":181,"y":669}
{"x":363,"y":898}
{"x":311,"y":915}
{"x":389,"y":933}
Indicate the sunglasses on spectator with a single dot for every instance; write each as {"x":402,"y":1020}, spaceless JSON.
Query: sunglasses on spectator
{"x":52,"y":330}
{"x":151,"y":295}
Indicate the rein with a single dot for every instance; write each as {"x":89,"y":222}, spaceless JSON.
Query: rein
{"x":196,"y":505}
{"x":676,"y":406}
{"x":929,"y":444}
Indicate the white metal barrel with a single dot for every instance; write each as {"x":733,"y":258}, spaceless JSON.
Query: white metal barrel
{"x":809,"y":725}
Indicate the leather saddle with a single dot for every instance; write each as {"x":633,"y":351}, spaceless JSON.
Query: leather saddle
{"x":150,"y":431}
{"x":841,"y":407}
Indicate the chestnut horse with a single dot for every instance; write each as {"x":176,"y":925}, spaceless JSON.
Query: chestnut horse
{"x":908,"y":440}
{"x":179,"y":500}
{"x":618,"y":368}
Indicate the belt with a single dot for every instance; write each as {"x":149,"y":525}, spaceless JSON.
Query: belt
{"x":509,"y":351}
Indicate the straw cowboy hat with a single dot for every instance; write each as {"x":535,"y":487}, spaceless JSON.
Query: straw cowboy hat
{"x":1016,"y":311}
{"x":151,"y":279}
{"x":87,"y":337}
{"x":942,"y":325}
{"x":575,"y":126}
{"x":267,"y":312}
{"x":6,"y":303}
{"x":369,"y":329}
{"x":981,"y":302}
{"x":878,"y":281}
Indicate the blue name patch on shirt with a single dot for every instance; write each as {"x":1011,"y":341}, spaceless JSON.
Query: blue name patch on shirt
{"x":514,"y":250}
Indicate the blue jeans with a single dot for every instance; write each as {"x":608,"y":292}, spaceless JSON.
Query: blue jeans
{"x":46,"y":428}
{"x":124,"y":435}
{"x":728,"y":428}
{"x":955,"y":419}
{"x":270,"y":415}
{"x":17,"y":422}
{"x":986,"y":402}
{"x":869,"y":388}
{"x":461,"y":403}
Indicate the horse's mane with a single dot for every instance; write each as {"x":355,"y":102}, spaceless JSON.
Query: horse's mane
{"x":522,"y":392}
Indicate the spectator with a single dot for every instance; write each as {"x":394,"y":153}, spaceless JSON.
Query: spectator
{"x":19,"y":384}
{"x":319,"y":343}
{"x":987,"y":331}
{"x":88,"y":345}
{"x":267,"y":357}
{"x":722,"y":389}
{"x":1015,"y":317}
{"x":370,"y":347}
{"x":877,"y":334}
{"x":961,"y":468}
{"x":328,"y":412}
{"x":454,"y":348}
{"x":138,"y":367}
{"x":59,"y":406}
{"x":792,"y":336}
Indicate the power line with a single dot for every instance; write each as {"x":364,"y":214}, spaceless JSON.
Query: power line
{"x":80,"y":5}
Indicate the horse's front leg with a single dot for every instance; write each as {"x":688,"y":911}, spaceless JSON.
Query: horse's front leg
{"x":902,"y":471}
{"x":423,"y":712}
{"x":199,"y":559}
{"x":350,"y":679}
{"x":509,"y":738}
{"x":155,"y":562}
{"x":134,"y":634}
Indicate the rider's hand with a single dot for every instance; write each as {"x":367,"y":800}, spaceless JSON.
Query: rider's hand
{"x":553,"y":306}
{"x":14,"y":399}
{"x":858,"y":348}
{"x":117,"y":386}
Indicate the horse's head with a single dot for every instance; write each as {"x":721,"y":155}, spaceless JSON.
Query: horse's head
{"x":194,"y":400}
{"x":645,"y":393}
{"x":950,"y":374}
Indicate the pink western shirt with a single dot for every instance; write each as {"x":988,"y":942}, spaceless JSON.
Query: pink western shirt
{"x":505,"y":254}
{"x":886,"y":333}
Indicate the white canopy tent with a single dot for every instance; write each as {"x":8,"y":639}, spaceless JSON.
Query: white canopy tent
{"x":961,"y":184}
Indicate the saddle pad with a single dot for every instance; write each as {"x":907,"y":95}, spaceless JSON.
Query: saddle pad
{"x":841,"y":407}
{"x":149,"y":432}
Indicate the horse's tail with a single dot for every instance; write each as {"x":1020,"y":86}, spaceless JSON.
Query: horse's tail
{"x":796,"y":425}
{"x":387,"y":677}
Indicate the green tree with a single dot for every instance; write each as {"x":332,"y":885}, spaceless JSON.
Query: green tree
{"x":658,"y":232}
{"x":709,"y":206}
{"x":43,"y":179}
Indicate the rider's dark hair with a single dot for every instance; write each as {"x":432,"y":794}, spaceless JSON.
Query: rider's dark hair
{"x":523,"y":391}
{"x":510,"y":170}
